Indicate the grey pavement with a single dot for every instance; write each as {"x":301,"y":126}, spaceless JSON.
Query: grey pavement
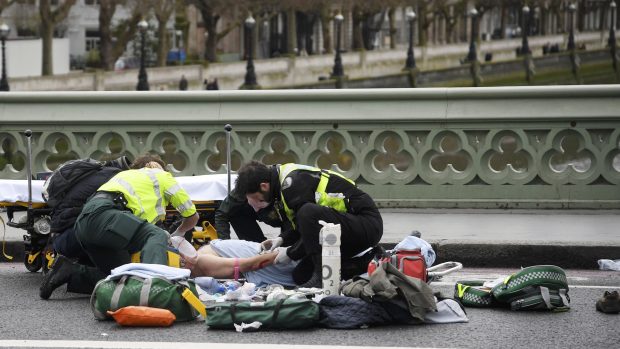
{"x":491,"y":237}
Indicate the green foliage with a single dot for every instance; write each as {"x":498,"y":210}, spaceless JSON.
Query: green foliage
{"x":93,"y":58}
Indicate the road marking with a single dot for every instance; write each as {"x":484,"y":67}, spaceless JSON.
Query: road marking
{"x":167,"y":345}
{"x":444,"y":283}
{"x":592,"y":286}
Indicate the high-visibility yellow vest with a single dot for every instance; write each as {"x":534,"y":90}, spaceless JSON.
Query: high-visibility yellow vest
{"x":149,"y":191}
{"x":321,"y":196}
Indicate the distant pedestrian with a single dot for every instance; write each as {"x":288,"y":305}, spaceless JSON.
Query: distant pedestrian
{"x":183,"y":83}
{"x":212,"y":85}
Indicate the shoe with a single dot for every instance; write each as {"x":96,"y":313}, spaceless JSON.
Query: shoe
{"x":609,"y":303}
{"x":316,"y":280}
{"x":59,"y":274}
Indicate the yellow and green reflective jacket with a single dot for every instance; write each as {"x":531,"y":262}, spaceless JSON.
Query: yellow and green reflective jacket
{"x":149,"y":191}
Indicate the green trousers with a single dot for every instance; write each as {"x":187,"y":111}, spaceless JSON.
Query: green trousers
{"x":109,"y":236}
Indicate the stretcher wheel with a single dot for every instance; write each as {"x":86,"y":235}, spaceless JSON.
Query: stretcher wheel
{"x":33,"y":261}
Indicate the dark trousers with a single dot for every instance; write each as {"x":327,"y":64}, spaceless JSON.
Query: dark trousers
{"x":244,"y":223}
{"x":109,"y":236}
{"x":357,"y":233}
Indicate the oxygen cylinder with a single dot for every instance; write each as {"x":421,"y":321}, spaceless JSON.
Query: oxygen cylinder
{"x":330,"y":242}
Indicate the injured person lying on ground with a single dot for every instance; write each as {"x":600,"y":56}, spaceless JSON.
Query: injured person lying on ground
{"x":233,"y":259}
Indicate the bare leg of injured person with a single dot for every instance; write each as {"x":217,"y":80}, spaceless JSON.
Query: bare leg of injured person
{"x":209,"y":263}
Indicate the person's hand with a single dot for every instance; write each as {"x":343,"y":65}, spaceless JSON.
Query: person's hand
{"x":271,"y":244}
{"x":188,"y":262}
{"x":282,"y":257}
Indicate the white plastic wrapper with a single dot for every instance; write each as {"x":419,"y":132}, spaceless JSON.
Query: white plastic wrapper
{"x":608,"y":264}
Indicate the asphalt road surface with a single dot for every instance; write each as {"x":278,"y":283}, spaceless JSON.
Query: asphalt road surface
{"x":66,"y":321}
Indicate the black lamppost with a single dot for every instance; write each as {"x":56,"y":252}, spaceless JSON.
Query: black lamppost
{"x":472,"y":56}
{"x":143,"y":83}
{"x":574,"y":59}
{"x":338,"y":71}
{"x":410,"y":63}
{"x":525,"y":46}
{"x":571,"y":30}
{"x":4,"y":32}
{"x":612,"y":38}
{"x":528,"y":62}
{"x":250,"y":75}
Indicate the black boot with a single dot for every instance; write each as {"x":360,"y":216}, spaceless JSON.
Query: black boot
{"x":316,"y":276}
{"x":60,"y":274}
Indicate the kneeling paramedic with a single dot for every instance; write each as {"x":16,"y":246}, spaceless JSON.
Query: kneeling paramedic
{"x":236,"y":212}
{"x":306,"y":195}
{"x":118,"y":220}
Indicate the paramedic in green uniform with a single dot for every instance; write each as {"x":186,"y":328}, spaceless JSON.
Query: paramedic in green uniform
{"x":118,"y":220}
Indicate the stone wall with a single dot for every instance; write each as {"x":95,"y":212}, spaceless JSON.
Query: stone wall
{"x":295,"y":71}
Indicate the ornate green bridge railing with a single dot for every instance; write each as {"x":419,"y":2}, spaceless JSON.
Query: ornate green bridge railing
{"x":547,"y":147}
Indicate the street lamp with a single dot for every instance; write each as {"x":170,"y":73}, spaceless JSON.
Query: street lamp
{"x":338,"y":71}
{"x":4,"y":33}
{"x":179,"y":35}
{"x":410,"y":63}
{"x":250,"y":75}
{"x":612,"y":38}
{"x":525,"y":47}
{"x":574,"y":59}
{"x":472,"y":56}
{"x":571,"y":34}
{"x":143,"y":83}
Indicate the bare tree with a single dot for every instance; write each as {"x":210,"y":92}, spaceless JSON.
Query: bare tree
{"x":163,"y":10}
{"x":4,"y":4}
{"x":362,"y":11}
{"x":211,"y":12}
{"x":49,"y":19}
{"x":114,"y":38}
{"x":450,"y":10}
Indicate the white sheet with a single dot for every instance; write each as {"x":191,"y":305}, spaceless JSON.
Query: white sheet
{"x":200,"y":188}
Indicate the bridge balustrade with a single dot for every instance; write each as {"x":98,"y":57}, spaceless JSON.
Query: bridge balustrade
{"x":510,"y":147}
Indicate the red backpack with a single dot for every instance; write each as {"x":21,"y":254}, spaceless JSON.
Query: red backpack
{"x":409,"y":262}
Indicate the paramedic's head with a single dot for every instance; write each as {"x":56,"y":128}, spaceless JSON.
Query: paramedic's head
{"x":253,"y":182}
{"x":148,"y":161}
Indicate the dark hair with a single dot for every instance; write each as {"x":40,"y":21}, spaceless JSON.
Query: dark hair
{"x":250,"y":176}
{"x":142,"y":160}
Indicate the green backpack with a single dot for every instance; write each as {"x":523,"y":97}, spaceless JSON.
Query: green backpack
{"x":180,"y":297}
{"x":533,"y":288}
{"x":473,"y":294}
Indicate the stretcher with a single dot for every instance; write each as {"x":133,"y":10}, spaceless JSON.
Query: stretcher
{"x":206,"y":191}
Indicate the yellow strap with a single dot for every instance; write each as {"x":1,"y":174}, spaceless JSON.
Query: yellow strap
{"x":49,"y":257}
{"x":191,"y":298}
{"x":174,"y":260}
{"x":323,"y":182}
{"x":461,"y":289}
{"x":4,"y":240}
